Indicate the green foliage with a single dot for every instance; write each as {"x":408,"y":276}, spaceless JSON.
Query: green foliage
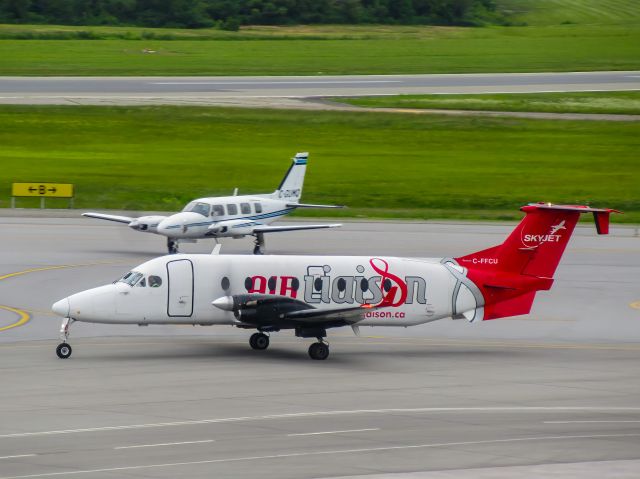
{"x":313,"y":50}
{"x":420,"y":166}
{"x":569,"y":12}
{"x":620,"y":102}
{"x":232,"y":13}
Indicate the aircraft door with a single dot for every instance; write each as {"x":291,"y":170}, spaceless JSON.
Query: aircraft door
{"x":180,"y":288}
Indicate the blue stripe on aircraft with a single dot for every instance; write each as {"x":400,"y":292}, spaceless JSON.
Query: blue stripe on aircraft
{"x":255,"y":217}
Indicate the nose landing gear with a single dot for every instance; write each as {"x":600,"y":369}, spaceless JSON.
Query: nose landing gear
{"x":64,"y":349}
{"x":172,"y":246}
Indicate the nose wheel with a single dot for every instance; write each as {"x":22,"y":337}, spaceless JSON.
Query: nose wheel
{"x":63,"y":351}
{"x":172,"y":246}
{"x":259,"y":341}
{"x":319,"y":350}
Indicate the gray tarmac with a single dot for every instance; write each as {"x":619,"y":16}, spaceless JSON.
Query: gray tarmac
{"x":287,"y":90}
{"x":554,"y":393}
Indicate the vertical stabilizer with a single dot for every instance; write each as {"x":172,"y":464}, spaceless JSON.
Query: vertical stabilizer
{"x":508,"y":275}
{"x":290,"y":188}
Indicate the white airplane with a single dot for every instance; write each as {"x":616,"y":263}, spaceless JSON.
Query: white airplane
{"x":311,"y":294}
{"x":229,"y":216}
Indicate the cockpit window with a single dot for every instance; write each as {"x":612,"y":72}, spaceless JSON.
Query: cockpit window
{"x":141,"y":284}
{"x":155,"y":281}
{"x":200,"y":208}
{"x":218,"y":210}
{"x":131,"y":278}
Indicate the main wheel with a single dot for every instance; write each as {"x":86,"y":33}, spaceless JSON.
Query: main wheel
{"x":319,"y":351}
{"x":63,"y":350}
{"x":259,"y":341}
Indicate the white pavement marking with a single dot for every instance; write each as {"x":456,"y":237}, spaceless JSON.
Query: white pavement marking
{"x":333,"y":432}
{"x":321,"y":453}
{"x":584,"y":422}
{"x":165,"y":444}
{"x":20,"y":455}
{"x":258,"y":83}
{"x":426,"y":410}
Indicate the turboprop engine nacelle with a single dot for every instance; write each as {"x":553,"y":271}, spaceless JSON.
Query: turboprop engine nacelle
{"x":146,"y":223}
{"x":266,"y":309}
{"x":231,"y":228}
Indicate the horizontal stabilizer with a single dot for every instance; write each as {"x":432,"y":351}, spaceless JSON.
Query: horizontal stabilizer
{"x":307,"y":205}
{"x":101,"y":216}
{"x":278,"y":229}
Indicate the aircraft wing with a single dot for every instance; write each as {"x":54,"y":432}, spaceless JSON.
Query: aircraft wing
{"x":276,"y":229}
{"x":101,"y":216}
{"x":308,"y":205}
{"x":277,"y":310}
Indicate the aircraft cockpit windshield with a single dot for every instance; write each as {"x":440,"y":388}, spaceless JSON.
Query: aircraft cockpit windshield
{"x":131,"y":278}
{"x":196,"y":207}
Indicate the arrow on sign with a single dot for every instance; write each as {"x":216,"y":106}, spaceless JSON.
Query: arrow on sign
{"x":32,"y":189}
{"x":52,"y":189}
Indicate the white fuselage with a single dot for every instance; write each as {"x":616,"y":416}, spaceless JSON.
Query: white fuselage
{"x":224,"y":216}
{"x":180,"y":289}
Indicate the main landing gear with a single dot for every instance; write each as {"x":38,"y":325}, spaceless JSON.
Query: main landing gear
{"x":259,"y":244}
{"x":172,"y":246}
{"x":64,"y":349}
{"x":319,"y":350}
{"x":259,"y":341}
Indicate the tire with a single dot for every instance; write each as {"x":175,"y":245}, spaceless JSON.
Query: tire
{"x":319,"y":351}
{"x":63,"y":350}
{"x":259,"y":341}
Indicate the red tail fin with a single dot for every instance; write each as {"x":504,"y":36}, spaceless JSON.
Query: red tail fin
{"x":508,"y":275}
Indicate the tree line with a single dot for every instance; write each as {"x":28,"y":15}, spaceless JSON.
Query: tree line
{"x":230,"y":14}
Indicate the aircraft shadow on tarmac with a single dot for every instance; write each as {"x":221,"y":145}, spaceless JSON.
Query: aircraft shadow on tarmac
{"x":345,"y":355}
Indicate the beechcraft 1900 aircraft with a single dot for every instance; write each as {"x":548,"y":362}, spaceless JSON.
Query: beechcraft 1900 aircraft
{"x":230,"y":216}
{"x":311,"y":294}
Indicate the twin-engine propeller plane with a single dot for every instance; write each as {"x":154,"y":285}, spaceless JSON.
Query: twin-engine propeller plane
{"x":229,"y":216}
{"x":311,"y":294}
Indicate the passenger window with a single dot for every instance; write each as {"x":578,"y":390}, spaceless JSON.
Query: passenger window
{"x":142,"y":283}
{"x":218,"y":210}
{"x":232,"y":209}
{"x":258,"y":207}
{"x":245,"y":208}
{"x":155,"y":281}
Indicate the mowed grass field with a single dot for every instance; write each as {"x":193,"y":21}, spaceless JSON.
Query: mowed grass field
{"x":553,"y":12}
{"x":380,"y":165}
{"x":627,"y":102}
{"x":31,"y":50}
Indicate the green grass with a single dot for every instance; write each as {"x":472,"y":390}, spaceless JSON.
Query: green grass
{"x":322,"y":50}
{"x":627,"y":102}
{"x":555,"y":12}
{"x":158,"y":158}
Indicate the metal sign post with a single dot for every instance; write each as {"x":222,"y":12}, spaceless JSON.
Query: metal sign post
{"x":42,"y":190}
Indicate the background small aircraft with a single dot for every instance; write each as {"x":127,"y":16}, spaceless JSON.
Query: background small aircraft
{"x":311,"y":294}
{"x":230,"y":216}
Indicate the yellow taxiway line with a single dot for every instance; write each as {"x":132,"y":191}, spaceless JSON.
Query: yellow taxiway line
{"x":24,"y":315}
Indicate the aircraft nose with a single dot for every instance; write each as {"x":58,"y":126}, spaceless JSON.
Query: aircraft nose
{"x":61,"y":308}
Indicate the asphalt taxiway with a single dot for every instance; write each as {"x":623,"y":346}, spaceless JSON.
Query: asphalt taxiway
{"x":555,"y":392}
{"x":274,"y":90}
